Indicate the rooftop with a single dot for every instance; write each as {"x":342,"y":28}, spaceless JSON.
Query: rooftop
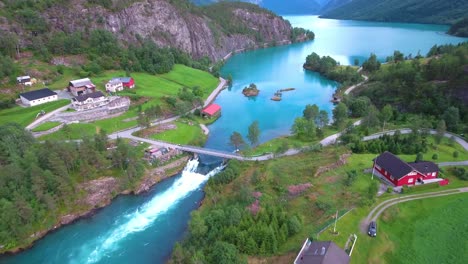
{"x":394,"y":165}
{"x":211,"y":109}
{"x":398,"y":168}
{"x":121,"y":79}
{"x":37,"y":94}
{"x":84,"y":97}
{"x":322,"y":252}
{"x":81,"y":82}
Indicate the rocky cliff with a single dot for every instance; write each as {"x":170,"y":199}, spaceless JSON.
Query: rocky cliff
{"x":168,"y":23}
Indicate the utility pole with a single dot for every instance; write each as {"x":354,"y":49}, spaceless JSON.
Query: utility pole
{"x":336,"y":219}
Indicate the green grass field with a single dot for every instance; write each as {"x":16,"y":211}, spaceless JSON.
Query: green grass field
{"x":154,"y":87}
{"x":184,"y":134}
{"x":45,"y":126}
{"x":433,"y":230}
{"x":25,"y":115}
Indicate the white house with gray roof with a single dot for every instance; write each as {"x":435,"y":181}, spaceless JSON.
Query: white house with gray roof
{"x":38,"y":97}
{"x":89,"y":101}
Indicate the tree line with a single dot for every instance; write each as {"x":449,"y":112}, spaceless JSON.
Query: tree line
{"x":39,"y":182}
{"x":433,"y":89}
{"x":230,"y":230}
{"x":103,"y":50}
{"x":330,"y":68}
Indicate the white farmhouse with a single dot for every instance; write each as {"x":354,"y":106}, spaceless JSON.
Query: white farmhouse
{"x":38,"y":97}
{"x":114,"y":85}
{"x":89,"y":101}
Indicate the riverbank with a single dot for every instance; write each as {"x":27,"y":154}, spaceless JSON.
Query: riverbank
{"x":100,"y":193}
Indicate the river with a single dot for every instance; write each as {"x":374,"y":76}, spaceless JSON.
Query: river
{"x":143,"y":229}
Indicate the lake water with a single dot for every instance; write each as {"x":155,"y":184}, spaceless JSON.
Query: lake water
{"x":281,"y":67}
{"x":143,"y":229}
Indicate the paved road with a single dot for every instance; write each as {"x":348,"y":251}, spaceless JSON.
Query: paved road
{"x":380,"y":208}
{"x":351,"y":88}
{"x":332,"y":139}
{"x":453,"y":163}
{"x":212,"y":96}
{"x":457,"y":138}
{"x":46,"y":116}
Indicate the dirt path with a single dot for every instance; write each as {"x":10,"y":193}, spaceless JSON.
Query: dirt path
{"x":351,"y":88}
{"x":380,"y":208}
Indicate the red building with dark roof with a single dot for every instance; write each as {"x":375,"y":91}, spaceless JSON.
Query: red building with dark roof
{"x":401,"y":173}
{"x":211,"y":110}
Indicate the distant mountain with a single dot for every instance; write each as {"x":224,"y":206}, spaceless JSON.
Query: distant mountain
{"x":419,"y":11}
{"x":283,"y":7}
{"x":329,"y":5}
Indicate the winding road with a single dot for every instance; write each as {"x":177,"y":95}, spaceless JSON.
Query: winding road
{"x":457,"y":138}
{"x":380,"y":208}
{"x":351,"y":88}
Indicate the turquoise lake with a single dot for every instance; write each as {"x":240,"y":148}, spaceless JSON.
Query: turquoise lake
{"x":275,"y":68}
{"x":143,"y":229}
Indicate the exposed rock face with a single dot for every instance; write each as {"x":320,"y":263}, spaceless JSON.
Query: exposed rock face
{"x":167,"y":25}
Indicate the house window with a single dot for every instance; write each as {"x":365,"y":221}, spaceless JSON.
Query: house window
{"x":410,"y":180}
{"x":434,"y":173}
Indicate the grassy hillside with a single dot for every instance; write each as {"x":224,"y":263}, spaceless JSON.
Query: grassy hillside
{"x":150,"y":90}
{"x":420,"y":11}
{"x":24,"y":116}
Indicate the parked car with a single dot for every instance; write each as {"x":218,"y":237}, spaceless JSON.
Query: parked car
{"x":372,"y":231}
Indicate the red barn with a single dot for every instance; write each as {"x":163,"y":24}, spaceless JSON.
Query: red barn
{"x":400,"y":173}
{"x":127,"y":82}
{"x":211,"y":110}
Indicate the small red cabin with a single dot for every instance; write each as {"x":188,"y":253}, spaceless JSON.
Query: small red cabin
{"x":401,"y":173}
{"x":211,"y":110}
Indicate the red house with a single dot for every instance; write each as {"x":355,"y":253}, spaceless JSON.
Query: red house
{"x":127,"y":82}
{"x":400,"y":173}
{"x":211,"y":110}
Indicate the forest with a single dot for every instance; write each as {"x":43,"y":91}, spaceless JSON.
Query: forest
{"x":330,"y":68}
{"x":434,"y":87}
{"x":416,"y":11}
{"x":40,"y":181}
{"x":228,"y":231}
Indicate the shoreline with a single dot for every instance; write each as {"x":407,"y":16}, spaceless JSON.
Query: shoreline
{"x":147,"y":182}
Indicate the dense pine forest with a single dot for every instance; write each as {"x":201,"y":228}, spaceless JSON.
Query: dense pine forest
{"x":416,"y":11}
{"x":41,"y":181}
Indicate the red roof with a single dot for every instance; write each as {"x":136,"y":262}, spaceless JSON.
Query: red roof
{"x":212,"y":109}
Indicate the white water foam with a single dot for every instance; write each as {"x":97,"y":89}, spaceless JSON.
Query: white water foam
{"x":146,"y":214}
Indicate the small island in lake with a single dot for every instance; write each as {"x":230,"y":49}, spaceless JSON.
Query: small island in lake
{"x":251,"y":90}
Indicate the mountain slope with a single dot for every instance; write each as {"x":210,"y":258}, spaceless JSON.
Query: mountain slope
{"x":333,"y":4}
{"x":420,"y":11}
{"x":278,"y":6}
{"x":173,"y":23}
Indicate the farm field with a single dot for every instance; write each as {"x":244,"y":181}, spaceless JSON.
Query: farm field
{"x":433,"y":230}
{"x":153,"y":87}
{"x":25,"y":115}
{"x":185,"y":134}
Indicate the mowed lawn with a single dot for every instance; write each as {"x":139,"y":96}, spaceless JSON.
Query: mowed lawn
{"x":45,"y":126}
{"x":433,"y":230}
{"x":155,"y":87}
{"x":25,"y":115}
{"x":167,"y":84}
{"x":184,"y":134}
